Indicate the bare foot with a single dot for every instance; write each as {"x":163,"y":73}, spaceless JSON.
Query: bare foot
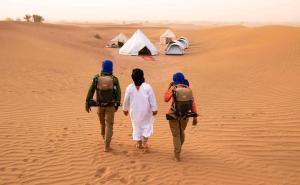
{"x":139,"y":145}
{"x":177,"y":158}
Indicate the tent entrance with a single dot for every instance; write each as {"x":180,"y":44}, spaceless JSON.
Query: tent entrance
{"x":168,"y":40}
{"x":145,"y":51}
{"x":120,"y":44}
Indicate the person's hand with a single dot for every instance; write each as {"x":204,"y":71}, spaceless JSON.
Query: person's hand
{"x":195,"y":121}
{"x":171,"y":84}
{"x":116,"y":105}
{"x":87,"y":107}
{"x":125,"y":112}
{"x":154,"y":113}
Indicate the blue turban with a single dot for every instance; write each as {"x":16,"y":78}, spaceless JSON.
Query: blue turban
{"x":107,"y":66}
{"x":186,"y":82}
{"x":178,"y":78}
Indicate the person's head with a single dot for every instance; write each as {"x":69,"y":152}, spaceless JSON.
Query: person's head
{"x":178,"y":78}
{"x":107,"y":67}
{"x":137,"y":76}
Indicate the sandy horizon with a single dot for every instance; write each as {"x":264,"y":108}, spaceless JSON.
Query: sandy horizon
{"x":245,"y":81}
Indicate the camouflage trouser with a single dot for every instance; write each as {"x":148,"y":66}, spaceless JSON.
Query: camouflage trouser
{"x":177,"y":128}
{"x":106,"y":117}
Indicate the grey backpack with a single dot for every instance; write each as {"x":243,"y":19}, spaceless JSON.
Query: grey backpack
{"x":183,"y":100}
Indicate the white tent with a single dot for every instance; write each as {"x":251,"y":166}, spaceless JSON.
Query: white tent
{"x":174,"y":48}
{"x":118,"y":41}
{"x":184,"y":41}
{"x":138,"y":44}
{"x":167,"y":37}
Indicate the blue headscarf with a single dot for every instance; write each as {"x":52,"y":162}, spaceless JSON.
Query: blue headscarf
{"x":186,"y":82}
{"x":178,"y":78}
{"x":107,"y":66}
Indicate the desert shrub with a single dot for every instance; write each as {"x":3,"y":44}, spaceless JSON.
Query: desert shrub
{"x":97,"y":36}
{"x":27,"y":17}
{"x":37,"y":18}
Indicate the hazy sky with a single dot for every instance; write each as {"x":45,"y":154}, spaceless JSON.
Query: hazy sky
{"x":181,"y":10}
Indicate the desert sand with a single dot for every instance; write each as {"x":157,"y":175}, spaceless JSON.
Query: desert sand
{"x":246,"y":85}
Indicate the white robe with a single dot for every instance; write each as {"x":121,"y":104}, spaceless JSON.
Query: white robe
{"x":141,"y":103}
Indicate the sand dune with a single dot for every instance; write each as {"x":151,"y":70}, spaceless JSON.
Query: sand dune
{"x":246,"y":82}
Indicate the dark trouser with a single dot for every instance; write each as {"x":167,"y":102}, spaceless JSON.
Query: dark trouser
{"x":106,"y":117}
{"x":177,"y":128}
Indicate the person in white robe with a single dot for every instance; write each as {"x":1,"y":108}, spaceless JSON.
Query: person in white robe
{"x":140,"y":103}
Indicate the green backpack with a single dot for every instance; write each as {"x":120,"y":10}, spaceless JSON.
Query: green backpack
{"x":105,"y":90}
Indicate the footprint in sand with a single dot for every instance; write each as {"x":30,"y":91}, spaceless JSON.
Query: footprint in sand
{"x":34,"y":160}
{"x":120,"y":144}
{"x":132,"y":162}
{"x":65,"y":129}
{"x":123,"y":180}
{"x":125,"y":152}
{"x":143,"y":166}
{"x":145,"y":178}
{"x":100,"y":172}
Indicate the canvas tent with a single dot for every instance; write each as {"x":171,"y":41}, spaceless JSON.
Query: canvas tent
{"x":118,"y":41}
{"x":138,"y":44}
{"x":174,"y":48}
{"x":167,"y":37}
{"x":184,"y":41}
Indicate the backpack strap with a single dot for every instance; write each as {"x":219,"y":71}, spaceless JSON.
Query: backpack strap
{"x":95,"y":80}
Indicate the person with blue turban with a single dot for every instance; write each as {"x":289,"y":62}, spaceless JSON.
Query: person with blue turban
{"x":178,"y":122}
{"x":108,"y":97}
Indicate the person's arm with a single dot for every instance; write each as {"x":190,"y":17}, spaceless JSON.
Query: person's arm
{"x":90,"y":94}
{"x":118,"y":90}
{"x":126,"y":101}
{"x":152,"y":101}
{"x":169,"y":94}
{"x":194,"y":109}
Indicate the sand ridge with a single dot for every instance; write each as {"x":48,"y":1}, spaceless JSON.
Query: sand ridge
{"x":246,"y":86}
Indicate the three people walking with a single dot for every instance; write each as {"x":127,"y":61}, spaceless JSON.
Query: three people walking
{"x":140,"y":103}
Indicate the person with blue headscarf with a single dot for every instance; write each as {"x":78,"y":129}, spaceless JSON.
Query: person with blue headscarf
{"x":177,"y":122}
{"x":108,"y":95}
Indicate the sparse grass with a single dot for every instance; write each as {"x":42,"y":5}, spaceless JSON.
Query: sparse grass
{"x":97,"y":36}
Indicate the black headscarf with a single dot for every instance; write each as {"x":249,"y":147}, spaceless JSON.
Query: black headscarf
{"x":138,"y":76}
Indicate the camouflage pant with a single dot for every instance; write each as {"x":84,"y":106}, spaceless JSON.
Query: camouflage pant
{"x":177,"y":128}
{"x":106,"y":117}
